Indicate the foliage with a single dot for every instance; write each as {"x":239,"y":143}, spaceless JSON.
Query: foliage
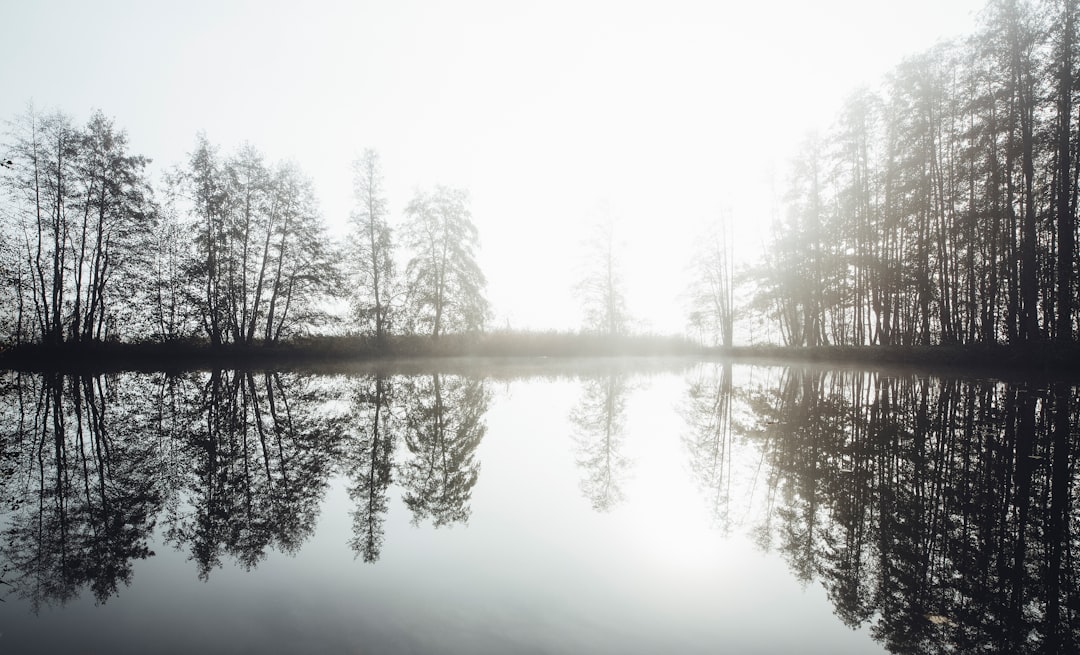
{"x":445,"y":283}
{"x":80,"y":216}
{"x":371,"y":249}
{"x":262,"y":260}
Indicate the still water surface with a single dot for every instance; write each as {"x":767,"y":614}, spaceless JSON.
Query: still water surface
{"x":691,"y":508}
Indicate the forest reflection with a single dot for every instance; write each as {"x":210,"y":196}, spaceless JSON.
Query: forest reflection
{"x":938,"y":511}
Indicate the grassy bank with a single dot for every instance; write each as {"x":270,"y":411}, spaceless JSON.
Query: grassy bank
{"x":1058,"y":359}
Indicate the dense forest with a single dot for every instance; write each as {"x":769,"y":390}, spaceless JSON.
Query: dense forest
{"x":938,"y":209}
{"x":942,"y":208}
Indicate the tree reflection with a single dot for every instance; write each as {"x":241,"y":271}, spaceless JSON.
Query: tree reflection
{"x":443,"y":427}
{"x":260,"y":454}
{"x":80,"y":486}
{"x":599,"y":419}
{"x":233,"y":463}
{"x":940,"y":510}
{"x":369,"y":461}
{"x":709,"y":439}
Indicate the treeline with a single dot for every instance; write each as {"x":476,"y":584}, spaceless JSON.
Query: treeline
{"x":941,"y":209}
{"x":225,"y":249}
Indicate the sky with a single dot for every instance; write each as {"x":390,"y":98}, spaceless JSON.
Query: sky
{"x":663,"y":115}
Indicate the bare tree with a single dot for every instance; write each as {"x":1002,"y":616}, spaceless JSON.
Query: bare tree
{"x":711,"y":294}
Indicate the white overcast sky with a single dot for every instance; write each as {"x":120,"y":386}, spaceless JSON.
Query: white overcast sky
{"x":662,"y":113}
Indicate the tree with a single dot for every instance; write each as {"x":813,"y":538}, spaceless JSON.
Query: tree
{"x":946,"y":210}
{"x":711,"y":295}
{"x":111,"y":231}
{"x":77,"y":240}
{"x":170,"y":288}
{"x":202,"y":181}
{"x":601,"y":289}
{"x":445,"y":284}
{"x":306,"y":272}
{"x":797,"y":259}
{"x":43,"y":193}
{"x":1065,"y":205}
{"x":372,"y":248}
{"x":263,"y":260}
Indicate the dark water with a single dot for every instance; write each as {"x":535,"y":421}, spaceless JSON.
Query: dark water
{"x":698,"y":509}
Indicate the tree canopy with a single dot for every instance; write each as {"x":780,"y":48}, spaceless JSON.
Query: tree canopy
{"x":445,"y":284}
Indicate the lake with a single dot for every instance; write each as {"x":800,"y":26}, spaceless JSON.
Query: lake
{"x":600,"y":506}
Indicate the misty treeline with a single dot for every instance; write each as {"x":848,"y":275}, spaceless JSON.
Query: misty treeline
{"x":942,"y":208}
{"x":225,"y":248}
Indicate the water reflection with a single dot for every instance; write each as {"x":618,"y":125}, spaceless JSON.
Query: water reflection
{"x":444,"y":424}
{"x":79,"y":488}
{"x":258,"y":456}
{"x":939,"y":510}
{"x":708,"y":440}
{"x":368,"y":458}
{"x":600,"y":422}
{"x":936,"y":511}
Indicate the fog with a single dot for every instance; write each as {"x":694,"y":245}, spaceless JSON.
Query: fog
{"x":663,"y":116}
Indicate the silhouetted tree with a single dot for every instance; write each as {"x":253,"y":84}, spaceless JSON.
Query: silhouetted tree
{"x":371,"y":247}
{"x":80,"y":223}
{"x":306,"y":263}
{"x":1061,"y":64}
{"x":173,"y":297}
{"x":203,"y":185}
{"x":445,"y":284}
{"x":264,"y":262}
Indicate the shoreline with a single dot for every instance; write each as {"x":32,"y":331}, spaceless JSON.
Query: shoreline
{"x":1038,"y":358}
